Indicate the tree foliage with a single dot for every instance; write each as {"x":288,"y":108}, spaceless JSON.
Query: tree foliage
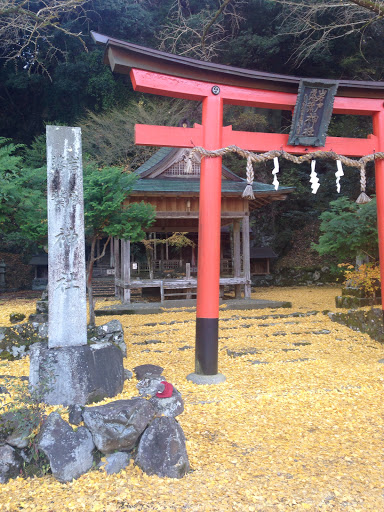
{"x":107,"y":215}
{"x":23,"y":207}
{"x":23,"y":202}
{"x":348,"y":229}
{"x":108,"y":137}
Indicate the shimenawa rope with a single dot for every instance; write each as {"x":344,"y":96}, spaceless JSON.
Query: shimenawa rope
{"x":269,"y":155}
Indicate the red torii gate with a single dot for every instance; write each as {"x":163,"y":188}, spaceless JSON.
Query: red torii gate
{"x":212,"y":135}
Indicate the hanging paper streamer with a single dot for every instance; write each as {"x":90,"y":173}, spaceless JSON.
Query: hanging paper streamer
{"x":338,"y":175}
{"x":188,"y":163}
{"x":314,"y":179}
{"x":274,"y":172}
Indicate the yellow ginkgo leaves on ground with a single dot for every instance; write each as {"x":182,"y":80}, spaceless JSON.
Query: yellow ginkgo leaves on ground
{"x":298,"y":424}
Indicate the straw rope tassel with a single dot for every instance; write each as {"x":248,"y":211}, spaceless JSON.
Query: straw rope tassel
{"x":248,"y":191}
{"x":363,"y":197}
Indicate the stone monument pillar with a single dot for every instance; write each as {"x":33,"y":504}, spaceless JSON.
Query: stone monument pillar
{"x":67,"y":326}
{"x":67,"y":370}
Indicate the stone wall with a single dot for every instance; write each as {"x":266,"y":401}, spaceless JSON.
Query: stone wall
{"x":370,"y":322}
{"x":297,"y":276}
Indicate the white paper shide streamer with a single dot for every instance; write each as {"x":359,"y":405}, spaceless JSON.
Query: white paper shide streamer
{"x":276,"y":169}
{"x":314,"y":180}
{"x":338,"y":174}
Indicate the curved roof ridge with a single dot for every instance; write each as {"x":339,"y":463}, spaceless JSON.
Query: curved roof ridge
{"x":122,"y":56}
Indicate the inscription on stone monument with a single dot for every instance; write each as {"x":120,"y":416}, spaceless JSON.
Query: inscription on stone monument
{"x":66,"y":255}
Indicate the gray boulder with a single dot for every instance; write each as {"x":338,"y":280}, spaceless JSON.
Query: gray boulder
{"x":150,"y":386}
{"x":42,"y":329}
{"x":111,"y":332}
{"x":41,"y":318}
{"x":18,"y":439}
{"x":16,"y":427}
{"x":10,"y":463}
{"x":42,"y":307}
{"x":16,"y":340}
{"x":162,"y":450}
{"x":75,"y":416}
{"x":116,"y":462}
{"x":69,"y":453}
{"x":128,"y":374}
{"x":118,"y":425}
{"x":18,"y":352}
{"x":170,"y":407}
{"x":76,"y":375}
{"x":148,"y":371}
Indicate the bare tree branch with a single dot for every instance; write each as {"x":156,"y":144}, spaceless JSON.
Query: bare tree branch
{"x":27,"y":28}
{"x":308,"y":21}
{"x":201,"y":34}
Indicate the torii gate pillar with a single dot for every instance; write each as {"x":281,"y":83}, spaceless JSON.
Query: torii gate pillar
{"x":208,"y":265}
{"x":212,"y":135}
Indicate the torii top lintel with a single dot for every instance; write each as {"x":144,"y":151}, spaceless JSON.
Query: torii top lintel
{"x":156,"y":72}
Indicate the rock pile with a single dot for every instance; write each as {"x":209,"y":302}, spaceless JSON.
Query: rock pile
{"x":142,"y":428}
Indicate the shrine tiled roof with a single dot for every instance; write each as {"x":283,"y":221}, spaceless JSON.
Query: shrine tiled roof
{"x":193,"y":186}
{"x":154,"y":160}
{"x":163,"y":155}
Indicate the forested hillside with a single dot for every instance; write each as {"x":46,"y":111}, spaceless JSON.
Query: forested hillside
{"x":52,"y":73}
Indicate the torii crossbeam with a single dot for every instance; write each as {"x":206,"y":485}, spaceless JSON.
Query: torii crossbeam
{"x":163,"y":74}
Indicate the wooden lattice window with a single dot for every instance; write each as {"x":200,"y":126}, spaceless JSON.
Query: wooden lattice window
{"x":178,"y":169}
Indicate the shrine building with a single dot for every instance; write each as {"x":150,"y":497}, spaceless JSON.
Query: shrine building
{"x":165,"y":182}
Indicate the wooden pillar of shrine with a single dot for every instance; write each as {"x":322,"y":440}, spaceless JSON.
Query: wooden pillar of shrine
{"x":116,"y":250}
{"x":111,"y":253}
{"x":126,"y":269}
{"x":237,"y":256}
{"x":246,"y":257}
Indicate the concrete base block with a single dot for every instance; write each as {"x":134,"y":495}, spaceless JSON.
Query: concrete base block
{"x":208,"y":380}
{"x":76,"y":375}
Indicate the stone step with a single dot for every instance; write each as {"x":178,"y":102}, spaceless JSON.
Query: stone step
{"x":103,"y":287}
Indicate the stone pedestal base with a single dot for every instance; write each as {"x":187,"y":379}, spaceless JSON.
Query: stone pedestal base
{"x":76,"y":375}
{"x":197,"y":378}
